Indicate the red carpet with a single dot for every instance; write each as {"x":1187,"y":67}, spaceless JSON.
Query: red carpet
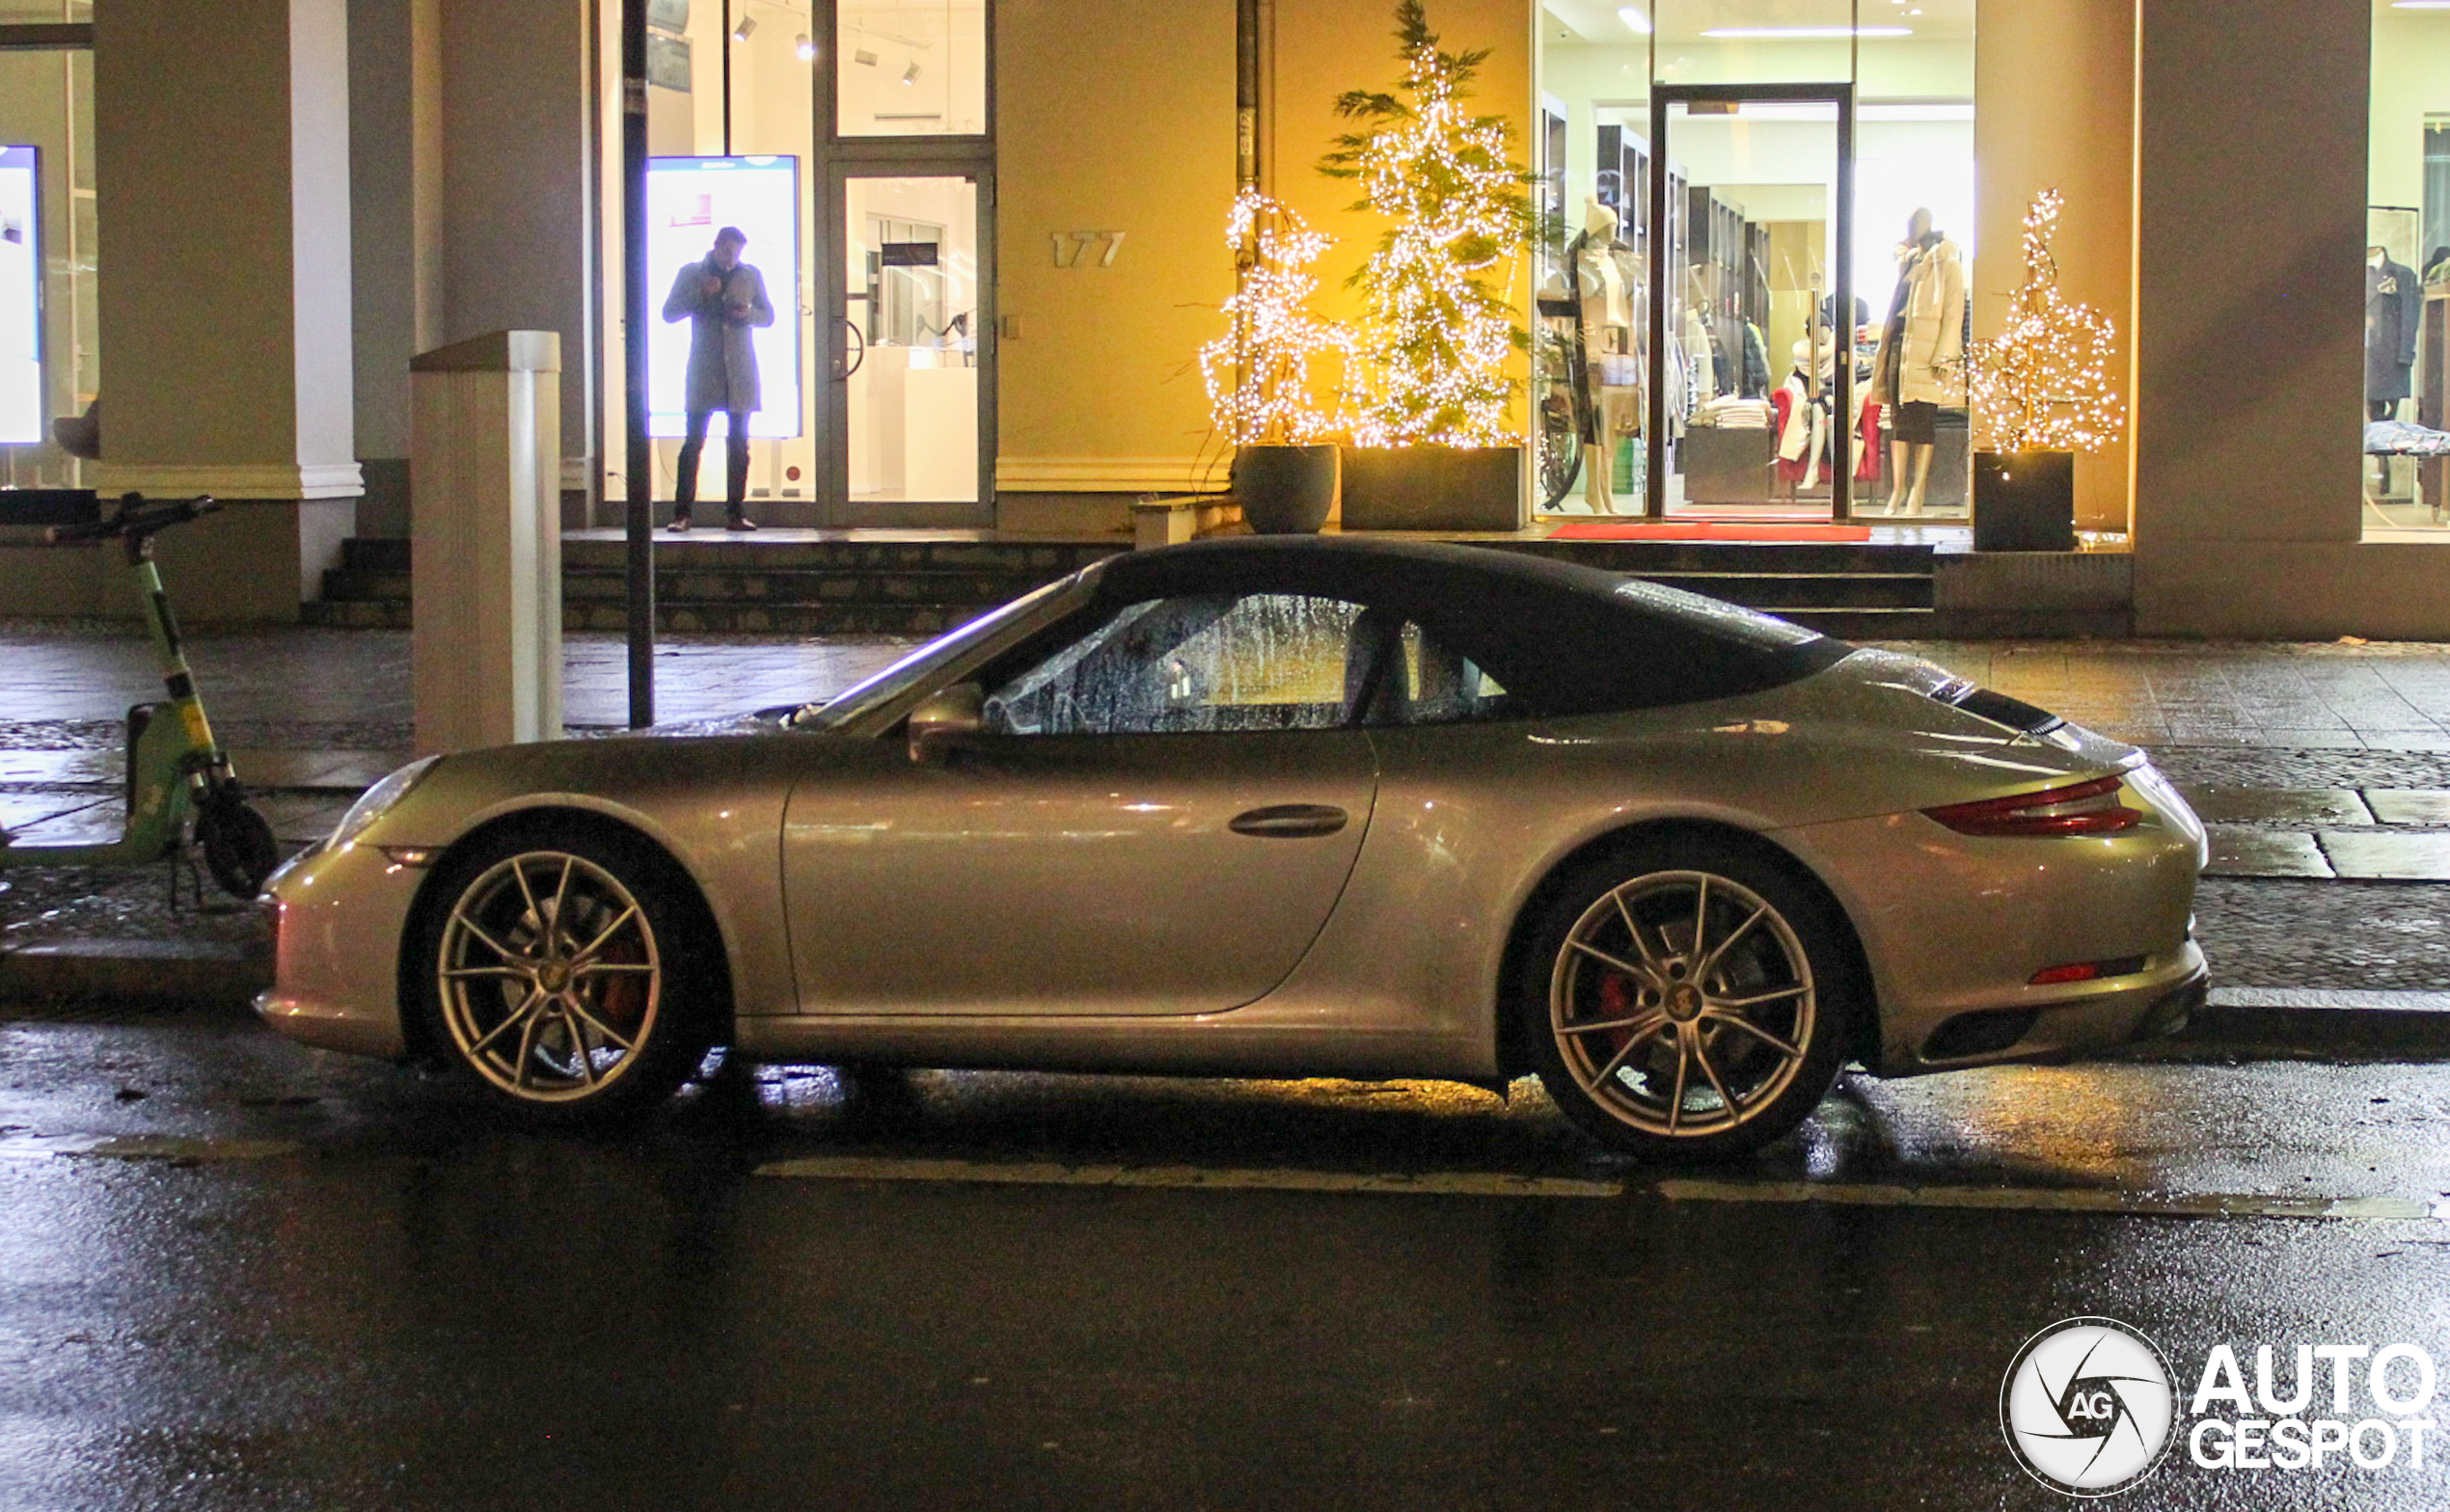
{"x":1705,"y":530}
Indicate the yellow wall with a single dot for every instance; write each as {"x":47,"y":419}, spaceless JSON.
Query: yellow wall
{"x":1318,"y":49}
{"x":2055,"y":108}
{"x":1107,"y":121}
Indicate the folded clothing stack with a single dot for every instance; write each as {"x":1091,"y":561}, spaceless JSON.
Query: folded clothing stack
{"x":2398,"y":439}
{"x":1728,"y":411}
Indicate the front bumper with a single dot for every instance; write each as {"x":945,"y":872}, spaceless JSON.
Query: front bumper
{"x":336,"y":982}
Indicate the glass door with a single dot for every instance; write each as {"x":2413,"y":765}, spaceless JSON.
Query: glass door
{"x":1758,"y":396}
{"x":909,"y":368}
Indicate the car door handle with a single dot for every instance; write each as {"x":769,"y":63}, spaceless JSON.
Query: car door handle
{"x":1289,"y":821}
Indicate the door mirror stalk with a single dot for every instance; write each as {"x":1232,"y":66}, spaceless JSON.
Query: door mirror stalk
{"x":944,"y":721}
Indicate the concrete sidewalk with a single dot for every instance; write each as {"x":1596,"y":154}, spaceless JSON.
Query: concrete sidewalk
{"x":2323,"y":768}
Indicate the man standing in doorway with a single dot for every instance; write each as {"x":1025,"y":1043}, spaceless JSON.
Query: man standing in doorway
{"x":722,"y":298}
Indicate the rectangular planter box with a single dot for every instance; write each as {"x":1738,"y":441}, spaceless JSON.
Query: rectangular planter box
{"x":2025,"y":501}
{"x":1433,"y":488}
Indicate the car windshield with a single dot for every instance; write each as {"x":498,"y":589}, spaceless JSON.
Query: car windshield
{"x":883,"y":687}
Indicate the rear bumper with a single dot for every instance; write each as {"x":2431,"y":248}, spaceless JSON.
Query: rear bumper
{"x":2152,"y":1003}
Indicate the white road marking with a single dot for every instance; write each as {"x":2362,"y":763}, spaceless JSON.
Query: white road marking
{"x":2132,"y":1205}
{"x":143,"y":1146}
{"x":1437,"y":1184}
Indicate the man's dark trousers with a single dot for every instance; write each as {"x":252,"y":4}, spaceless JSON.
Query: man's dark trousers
{"x":735,"y":452}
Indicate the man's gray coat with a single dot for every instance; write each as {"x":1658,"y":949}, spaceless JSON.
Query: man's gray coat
{"x":722,"y":364}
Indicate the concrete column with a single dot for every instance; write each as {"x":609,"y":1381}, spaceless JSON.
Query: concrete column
{"x":2054,"y":107}
{"x":221,"y":156}
{"x":486,"y":557}
{"x":384,"y":245}
{"x":515,"y":93}
{"x":2250,"y":160}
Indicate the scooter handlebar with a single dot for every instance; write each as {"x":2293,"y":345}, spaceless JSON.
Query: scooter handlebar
{"x":133,"y":519}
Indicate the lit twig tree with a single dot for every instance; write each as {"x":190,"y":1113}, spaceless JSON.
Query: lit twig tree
{"x":1438,"y":337}
{"x":2043,"y":384}
{"x":1258,"y":372}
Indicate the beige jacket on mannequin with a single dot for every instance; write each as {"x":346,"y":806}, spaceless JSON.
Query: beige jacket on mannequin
{"x":1931,"y":361}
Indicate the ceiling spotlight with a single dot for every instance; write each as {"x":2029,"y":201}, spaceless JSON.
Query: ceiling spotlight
{"x":747,"y":24}
{"x":1633,"y":18}
{"x":806,"y":48}
{"x":910,"y":75}
{"x":866,"y":57}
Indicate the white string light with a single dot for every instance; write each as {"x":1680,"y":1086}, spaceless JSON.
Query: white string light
{"x":1258,"y":372}
{"x":2044,"y":382}
{"x":1438,"y":338}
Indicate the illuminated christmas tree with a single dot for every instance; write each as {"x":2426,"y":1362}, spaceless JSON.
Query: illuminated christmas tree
{"x":1439,"y":337}
{"x":2044,"y":383}
{"x":1258,"y":372}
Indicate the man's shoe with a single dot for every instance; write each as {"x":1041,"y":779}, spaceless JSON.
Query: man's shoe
{"x":680,"y":525}
{"x":740,"y":522}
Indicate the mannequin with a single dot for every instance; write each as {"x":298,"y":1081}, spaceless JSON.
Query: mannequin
{"x":1919,"y":365}
{"x":2394,"y":308}
{"x":1602,"y":281}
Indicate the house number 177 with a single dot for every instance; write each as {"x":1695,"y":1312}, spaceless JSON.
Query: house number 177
{"x":1072,"y":247}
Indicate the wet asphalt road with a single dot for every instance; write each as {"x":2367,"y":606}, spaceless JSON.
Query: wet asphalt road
{"x":237,"y":1274}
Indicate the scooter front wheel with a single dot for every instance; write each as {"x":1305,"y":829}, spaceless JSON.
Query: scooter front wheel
{"x":239,"y":849}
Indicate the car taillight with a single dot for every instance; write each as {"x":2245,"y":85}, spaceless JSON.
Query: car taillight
{"x":2081,"y":808}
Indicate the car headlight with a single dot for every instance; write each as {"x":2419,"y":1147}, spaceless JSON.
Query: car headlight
{"x":377,"y":800}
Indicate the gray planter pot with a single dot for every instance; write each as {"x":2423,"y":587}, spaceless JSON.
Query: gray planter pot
{"x":1285,"y":490}
{"x":1433,"y":488}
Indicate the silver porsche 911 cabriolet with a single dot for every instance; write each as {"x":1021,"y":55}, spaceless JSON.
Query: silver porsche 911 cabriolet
{"x":1283,"y":806}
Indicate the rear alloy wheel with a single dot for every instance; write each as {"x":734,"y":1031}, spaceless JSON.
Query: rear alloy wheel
{"x":557,"y":979}
{"x":1692,"y":1002}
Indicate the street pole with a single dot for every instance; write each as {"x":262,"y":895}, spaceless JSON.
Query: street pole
{"x":640,"y":466}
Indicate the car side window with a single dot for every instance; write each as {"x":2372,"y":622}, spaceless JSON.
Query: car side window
{"x":1438,"y":684}
{"x":1213,"y":661}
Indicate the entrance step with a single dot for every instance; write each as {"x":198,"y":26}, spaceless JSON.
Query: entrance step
{"x":1853,"y":590}
{"x":911,"y":584}
{"x":899,"y":583}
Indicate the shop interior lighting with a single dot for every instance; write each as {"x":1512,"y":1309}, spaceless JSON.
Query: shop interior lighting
{"x":806,"y":48}
{"x":2421,"y":5}
{"x":1635,"y":20}
{"x":864,"y":56}
{"x":910,"y":75}
{"x":747,"y":24}
{"x":1801,"y":34}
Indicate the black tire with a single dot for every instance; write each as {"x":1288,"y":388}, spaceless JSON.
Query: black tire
{"x":237,"y":842}
{"x":1652,"y":1057}
{"x":570,"y":975}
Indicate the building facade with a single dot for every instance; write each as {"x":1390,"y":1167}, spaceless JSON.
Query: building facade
{"x":994,"y":231}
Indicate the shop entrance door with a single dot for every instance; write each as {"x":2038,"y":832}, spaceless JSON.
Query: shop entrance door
{"x":1752,"y":332}
{"x":910,"y":346}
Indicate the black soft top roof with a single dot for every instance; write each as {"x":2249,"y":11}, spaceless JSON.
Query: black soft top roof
{"x":1562,"y":638}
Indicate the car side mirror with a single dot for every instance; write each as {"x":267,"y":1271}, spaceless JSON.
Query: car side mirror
{"x":944,"y":720}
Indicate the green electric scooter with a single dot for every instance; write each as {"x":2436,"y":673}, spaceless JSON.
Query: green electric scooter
{"x":181,"y":794}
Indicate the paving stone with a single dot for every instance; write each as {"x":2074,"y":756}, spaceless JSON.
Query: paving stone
{"x":2401,"y":858}
{"x":2428,"y":806}
{"x":2224,"y":805}
{"x":2238,"y":851}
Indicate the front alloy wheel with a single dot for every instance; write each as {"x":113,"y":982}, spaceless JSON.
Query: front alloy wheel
{"x":1691,"y":1006}
{"x":553,"y":980}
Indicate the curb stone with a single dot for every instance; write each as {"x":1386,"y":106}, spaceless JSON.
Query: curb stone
{"x":2242,"y":1021}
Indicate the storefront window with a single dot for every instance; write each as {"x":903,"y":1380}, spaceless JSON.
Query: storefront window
{"x":1757,"y":99}
{"x":2407,"y":274}
{"x":50,"y":364}
{"x":729,"y":80}
{"x":912,"y":67}
{"x":910,"y":261}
